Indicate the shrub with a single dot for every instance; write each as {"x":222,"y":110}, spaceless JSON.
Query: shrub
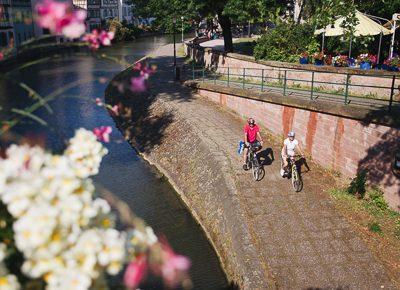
{"x":123,"y":32}
{"x":357,"y":185}
{"x":376,"y":198}
{"x":286,"y":42}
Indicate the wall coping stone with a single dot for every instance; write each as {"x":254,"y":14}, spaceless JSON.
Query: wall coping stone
{"x":380,"y":117}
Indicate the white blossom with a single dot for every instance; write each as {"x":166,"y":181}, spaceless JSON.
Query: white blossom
{"x":9,"y":282}
{"x":3,"y":251}
{"x":85,"y":153}
{"x":68,"y":279}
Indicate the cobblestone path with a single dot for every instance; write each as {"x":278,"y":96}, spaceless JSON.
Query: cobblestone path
{"x":300,"y":237}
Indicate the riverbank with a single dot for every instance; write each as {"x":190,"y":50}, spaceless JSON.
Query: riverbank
{"x":266,"y":235}
{"x":41,"y":51}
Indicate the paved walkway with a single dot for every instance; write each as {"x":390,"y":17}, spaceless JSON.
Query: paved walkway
{"x":300,"y":236}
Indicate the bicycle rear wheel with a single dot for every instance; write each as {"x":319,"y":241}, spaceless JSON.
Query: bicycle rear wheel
{"x":296,"y":181}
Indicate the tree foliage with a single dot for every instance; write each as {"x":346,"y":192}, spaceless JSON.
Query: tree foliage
{"x":286,"y":42}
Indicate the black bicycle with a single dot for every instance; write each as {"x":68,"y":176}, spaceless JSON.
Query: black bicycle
{"x":253,"y":163}
{"x":294,"y":174}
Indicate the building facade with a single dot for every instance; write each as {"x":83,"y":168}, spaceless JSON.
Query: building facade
{"x":22,"y":21}
{"x":93,"y":14}
{"x":126,"y":11}
{"x":6,"y":25}
{"x":109,"y":10}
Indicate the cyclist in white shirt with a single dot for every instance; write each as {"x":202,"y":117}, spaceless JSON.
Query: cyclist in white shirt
{"x":290,"y":145}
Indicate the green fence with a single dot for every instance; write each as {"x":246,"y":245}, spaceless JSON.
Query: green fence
{"x":281,"y":81}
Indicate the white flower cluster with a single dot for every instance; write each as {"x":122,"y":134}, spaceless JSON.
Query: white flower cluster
{"x":7,"y":281}
{"x":59,"y":227}
{"x":86,"y":153}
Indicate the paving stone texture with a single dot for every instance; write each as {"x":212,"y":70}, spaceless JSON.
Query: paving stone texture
{"x":299,"y":237}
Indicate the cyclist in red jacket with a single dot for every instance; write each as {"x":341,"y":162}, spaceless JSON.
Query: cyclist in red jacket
{"x":252,"y":137}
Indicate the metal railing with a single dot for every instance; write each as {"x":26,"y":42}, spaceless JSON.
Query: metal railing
{"x":315,"y":87}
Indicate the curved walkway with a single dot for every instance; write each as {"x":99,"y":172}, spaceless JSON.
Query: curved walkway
{"x":301,"y":241}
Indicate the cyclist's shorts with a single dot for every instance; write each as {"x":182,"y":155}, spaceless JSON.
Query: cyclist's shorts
{"x":255,"y":144}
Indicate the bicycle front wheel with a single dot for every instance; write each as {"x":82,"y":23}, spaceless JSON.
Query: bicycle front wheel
{"x":296,"y":181}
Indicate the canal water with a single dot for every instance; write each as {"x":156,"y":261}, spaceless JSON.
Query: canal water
{"x":81,"y":79}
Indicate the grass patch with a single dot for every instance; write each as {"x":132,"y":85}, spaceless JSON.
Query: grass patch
{"x":374,"y":221}
{"x":375,"y":228}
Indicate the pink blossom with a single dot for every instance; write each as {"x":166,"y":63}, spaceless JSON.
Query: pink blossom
{"x":145,"y":71}
{"x":102,"y":80}
{"x":103,"y":133}
{"x":114,"y":109}
{"x":96,"y":38}
{"x":174,"y":267}
{"x":59,"y":18}
{"x":106,"y":37}
{"x":99,"y":102}
{"x":138,"y":84}
{"x":135,"y":272}
{"x":1,"y":56}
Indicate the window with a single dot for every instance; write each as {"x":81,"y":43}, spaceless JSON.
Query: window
{"x":3,"y":39}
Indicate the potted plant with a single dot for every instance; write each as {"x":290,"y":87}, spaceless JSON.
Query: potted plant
{"x":319,"y":58}
{"x":392,"y":64}
{"x":328,"y":59}
{"x":304,"y":58}
{"x":341,"y":61}
{"x":366,"y":61}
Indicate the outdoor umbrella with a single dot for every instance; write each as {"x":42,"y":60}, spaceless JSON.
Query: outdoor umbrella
{"x":366,"y":26}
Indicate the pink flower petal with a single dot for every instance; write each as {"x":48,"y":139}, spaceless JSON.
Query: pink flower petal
{"x":135,"y":272}
{"x":103,"y":133}
{"x":99,"y":102}
{"x":138,"y":84}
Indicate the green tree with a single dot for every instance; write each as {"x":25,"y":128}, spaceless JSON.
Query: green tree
{"x":225,"y":10}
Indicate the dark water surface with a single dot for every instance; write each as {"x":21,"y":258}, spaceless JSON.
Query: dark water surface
{"x":122,"y":171}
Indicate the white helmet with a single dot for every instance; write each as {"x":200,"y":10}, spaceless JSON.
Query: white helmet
{"x":291,"y":134}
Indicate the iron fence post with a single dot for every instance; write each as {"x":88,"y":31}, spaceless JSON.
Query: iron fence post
{"x":244,"y":75}
{"x":262,"y":80}
{"x":215,"y":77}
{"x":392,"y":93}
{"x":346,"y":92}
{"x":228,"y":76}
{"x":312,"y":85}
{"x":193,"y":71}
{"x":284,"y":83}
{"x":202,"y":74}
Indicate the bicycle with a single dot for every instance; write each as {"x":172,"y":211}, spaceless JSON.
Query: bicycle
{"x":294,"y":174}
{"x":252,"y":162}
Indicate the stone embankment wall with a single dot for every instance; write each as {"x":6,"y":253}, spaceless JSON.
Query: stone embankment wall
{"x":339,"y":138}
{"x":326,"y":78}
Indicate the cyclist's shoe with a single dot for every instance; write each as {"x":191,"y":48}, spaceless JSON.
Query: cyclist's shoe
{"x":245,"y":167}
{"x":282,"y":172}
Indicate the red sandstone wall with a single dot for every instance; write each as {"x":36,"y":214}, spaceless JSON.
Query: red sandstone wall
{"x":337,"y":143}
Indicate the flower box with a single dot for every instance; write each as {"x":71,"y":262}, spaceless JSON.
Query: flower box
{"x":366,"y":61}
{"x":303,"y":60}
{"x":365,"y":66}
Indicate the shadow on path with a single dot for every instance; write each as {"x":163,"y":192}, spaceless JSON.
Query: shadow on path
{"x":379,"y":160}
{"x":137,"y":117}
